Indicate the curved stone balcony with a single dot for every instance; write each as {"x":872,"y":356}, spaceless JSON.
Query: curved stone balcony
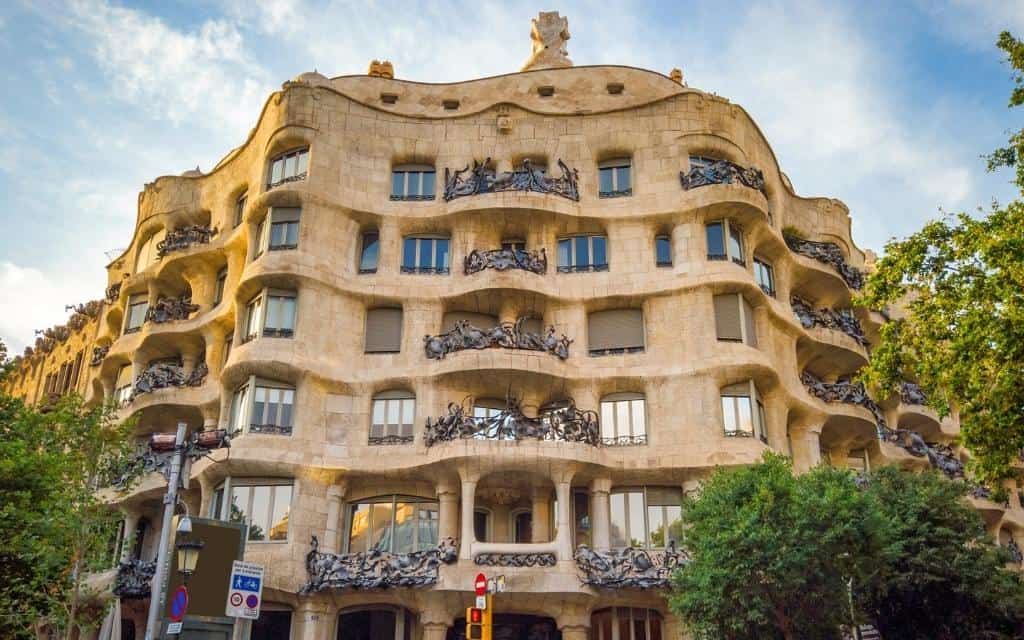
{"x":827,"y":253}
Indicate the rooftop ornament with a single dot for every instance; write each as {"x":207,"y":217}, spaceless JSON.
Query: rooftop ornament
{"x":563,"y":424}
{"x":843,"y":321}
{"x":505,"y":259}
{"x":550,"y":33}
{"x":482,"y":178}
{"x":828,"y":253}
{"x":133,"y":579}
{"x":722,"y":172}
{"x":629,"y":568}
{"x":375,"y":569}
{"x":505,"y":335}
{"x":90,"y":309}
{"x":170,"y":309}
{"x":184,"y":237}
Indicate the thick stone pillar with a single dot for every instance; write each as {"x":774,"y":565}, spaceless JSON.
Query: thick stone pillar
{"x":448,"y":511}
{"x":563,"y":519}
{"x":541,"y":525}
{"x":806,"y":445}
{"x":332,"y":528}
{"x":131,"y":521}
{"x":468,"y":536}
{"x":435,"y":631}
{"x":315,"y":621}
{"x":575,"y":632}
{"x":435,"y":618}
{"x":600,"y":514}
{"x":574,"y":622}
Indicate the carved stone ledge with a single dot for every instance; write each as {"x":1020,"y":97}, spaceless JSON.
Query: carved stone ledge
{"x":565,"y":424}
{"x":133,"y":579}
{"x":722,"y":172}
{"x":171,"y":309}
{"x":515,"y":559}
{"x":505,"y":259}
{"x":828,"y":318}
{"x":828,"y":253}
{"x":505,"y":335}
{"x":629,"y":568}
{"x":375,"y":569}
{"x":482,"y":178}
{"x":184,"y":237}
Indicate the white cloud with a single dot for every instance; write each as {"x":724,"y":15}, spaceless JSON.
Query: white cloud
{"x":976,"y":23}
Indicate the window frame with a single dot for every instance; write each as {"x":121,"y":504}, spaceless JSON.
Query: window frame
{"x":644,"y":491}
{"x":134,"y":301}
{"x":746,"y":317}
{"x":366,"y":330}
{"x":616,"y":436}
{"x":728,"y":228}
{"x":420,"y":171}
{"x":395,"y":499}
{"x":360,"y":269}
{"x":572,"y":266}
{"x":225,"y":500}
{"x":262,"y":302}
{"x":433,"y":269}
{"x":240,"y":203}
{"x":614,"y":167}
{"x":612,"y":351}
{"x":398,"y":435}
{"x":764,"y":267}
{"x":301,"y":155}
{"x":220,"y":284}
{"x":756,"y":408}
{"x":242,"y":411}
{"x":667,"y":239}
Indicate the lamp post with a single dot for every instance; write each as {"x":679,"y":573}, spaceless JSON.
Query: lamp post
{"x":188,"y":550}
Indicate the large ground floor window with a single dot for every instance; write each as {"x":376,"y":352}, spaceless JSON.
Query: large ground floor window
{"x":625,"y":623}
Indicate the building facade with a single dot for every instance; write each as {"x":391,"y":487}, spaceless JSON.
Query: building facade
{"x":502,"y":325}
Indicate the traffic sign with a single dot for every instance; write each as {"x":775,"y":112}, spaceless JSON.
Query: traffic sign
{"x":174,"y":628}
{"x":481,"y":602}
{"x":245,"y":590}
{"x":179,"y":604}
{"x":480,"y":584}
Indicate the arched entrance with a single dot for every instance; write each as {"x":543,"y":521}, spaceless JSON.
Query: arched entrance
{"x":513,"y":626}
{"x":375,"y":623}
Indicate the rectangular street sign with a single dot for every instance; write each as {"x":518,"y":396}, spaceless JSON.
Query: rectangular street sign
{"x":245,"y":590}
{"x":481,"y":602}
{"x":173,"y":628}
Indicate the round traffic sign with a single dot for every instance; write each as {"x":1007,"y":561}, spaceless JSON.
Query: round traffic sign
{"x":236,"y":599}
{"x":480,"y":584}
{"x":179,"y":604}
{"x":252,"y":601}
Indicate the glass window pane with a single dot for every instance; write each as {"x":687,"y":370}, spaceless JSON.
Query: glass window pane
{"x":303,"y":161}
{"x":663,"y":250}
{"x":260,"y":513}
{"x":745,"y":419}
{"x":674,"y":524}
{"x":618,"y":519}
{"x":637,"y":530}
{"x":623,"y":181}
{"x":428,"y":184}
{"x":282,"y":506}
{"x":608,"y":420}
{"x":288,"y":313}
{"x":217,"y":504}
{"x":441,"y":261}
{"x":426,"y":527}
{"x":371,"y":245}
{"x":239,"y":503}
{"x":271,"y":321}
{"x":292,"y":234}
{"x":393,"y":411}
{"x":729,"y":413}
{"x":258,"y":413}
{"x":359,"y":528}
{"x":656,"y":522}
{"x":605,"y":177}
{"x":639,"y":419}
{"x":409,"y":253}
{"x":378,"y":411}
{"x":600,"y":250}
{"x":273,"y":404}
{"x":398,"y":183}
{"x":426,"y":253}
{"x":405,"y":524}
{"x":412,"y":183}
{"x":290,"y":164}
{"x":622,"y":417}
{"x":277,"y":234}
{"x":735,"y":244}
{"x":581,"y":251}
{"x":276,"y":170}
{"x":716,"y":239}
{"x":408,"y":411}
{"x":286,"y":414}
{"x":380,"y":526}
{"x":564,"y":252}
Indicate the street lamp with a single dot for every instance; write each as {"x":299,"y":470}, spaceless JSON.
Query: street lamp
{"x":188,"y":550}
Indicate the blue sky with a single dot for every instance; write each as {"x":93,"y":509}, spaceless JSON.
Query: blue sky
{"x":886,"y":106}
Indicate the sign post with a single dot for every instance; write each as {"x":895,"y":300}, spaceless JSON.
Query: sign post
{"x":245,"y":591}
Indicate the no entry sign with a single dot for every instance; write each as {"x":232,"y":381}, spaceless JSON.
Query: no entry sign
{"x":480,"y":584}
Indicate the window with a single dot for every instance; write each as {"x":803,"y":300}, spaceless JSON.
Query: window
{"x":734,"y":319}
{"x":228,"y":340}
{"x":383,"y":331}
{"x":858,"y":461}
{"x":263,"y":505}
{"x":288,"y":167}
{"x":614,"y":178}
{"x":646,"y":517}
{"x":123,"y":385}
{"x":625,"y":623}
{"x":253,"y":318}
{"x":392,"y":418}
{"x":412,"y":182}
{"x":369,"y":252}
{"x":240,"y":408}
{"x":393,"y":524}
{"x":513,"y":245}
{"x":280,"y":318}
{"x":522,"y":525}
{"x":263,"y":406}
{"x":480,"y":522}
{"x":240,"y":207}
{"x":725,"y":241}
{"x":148,"y":252}
{"x":583,"y":253}
{"x":663,"y":251}
{"x":743,"y":411}
{"x":281,"y":233}
{"x":425,"y":254}
{"x":218,"y":288}
{"x":623,"y":419}
{"x":615,"y":331}
{"x":138,"y":305}
{"x":764,"y":275}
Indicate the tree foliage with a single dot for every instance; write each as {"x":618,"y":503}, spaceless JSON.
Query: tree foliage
{"x":55,"y":529}
{"x":961,"y":282}
{"x":772,"y":552}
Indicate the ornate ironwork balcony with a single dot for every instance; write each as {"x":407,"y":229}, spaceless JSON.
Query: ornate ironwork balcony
{"x":271,"y":429}
{"x":505,"y":335}
{"x":940,"y":456}
{"x":375,"y":569}
{"x":629,"y":568}
{"x":298,"y":177}
{"x":158,"y":453}
{"x":133,"y":579}
{"x":170,"y":309}
{"x":844,"y":391}
{"x":624,"y":441}
{"x":515,"y":559}
{"x":379,"y":440}
{"x":90,"y":309}
{"x":843,"y":321}
{"x":911,"y":393}
{"x":112,"y":293}
{"x":565,"y":424}
{"x":98,"y":354}
{"x":1015,"y":553}
{"x":828,"y":253}
{"x":505,"y":259}
{"x":184,"y":237}
{"x":722,"y":172}
{"x":483,"y":178}
{"x":163,"y":375}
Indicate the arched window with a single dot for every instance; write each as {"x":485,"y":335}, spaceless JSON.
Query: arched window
{"x":263,"y":505}
{"x":288,"y":167}
{"x":425,"y":254}
{"x":725,"y":241}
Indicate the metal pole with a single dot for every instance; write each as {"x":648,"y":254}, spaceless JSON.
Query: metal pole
{"x":156,"y":589}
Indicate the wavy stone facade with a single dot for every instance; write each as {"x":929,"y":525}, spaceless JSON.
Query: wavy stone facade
{"x":333,"y":432}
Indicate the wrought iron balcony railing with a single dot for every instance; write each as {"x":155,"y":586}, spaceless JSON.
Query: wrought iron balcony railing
{"x":828,"y":253}
{"x":505,"y":335}
{"x":164,"y":375}
{"x":722,"y":172}
{"x":582,"y":268}
{"x":170,"y":309}
{"x":515,"y":559}
{"x":298,"y":177}
{"x":911,"y":393}
{"x":482,"y":178}
{"x":393,"y":439}
{"x":844,"y":391}
{"x":505,"y":259}
{"x":624,"y":441}
{"x":184,"y":237}
{"x":98,"y":354}
{"x":133,"y":579}
{"x":375,"y":569}
{"x":629,"y":568}
{"x":441,"y":271}
{"x":271,"y":429}
{"x":564,"y":424}
{"x":843,"y":321}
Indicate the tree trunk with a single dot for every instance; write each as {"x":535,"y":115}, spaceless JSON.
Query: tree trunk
{"x":784,"y":623}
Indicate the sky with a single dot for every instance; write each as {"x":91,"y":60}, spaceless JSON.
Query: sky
{"x":886,"y":105}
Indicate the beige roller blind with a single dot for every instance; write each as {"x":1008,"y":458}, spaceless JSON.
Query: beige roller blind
{"x":383,"y":330}
{"x":124,"y":376}
{"x":478,"y":320}
{"x":615,"y":329}
{"x":748,"y":322}
{"x":741,"y":389}
{"x":285,"y":214}
{"x":727,"y":317}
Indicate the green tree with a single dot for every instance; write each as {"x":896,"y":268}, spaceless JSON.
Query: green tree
{"x":961,"y":282}
{"x":941,"y":577}
{"x":54,"y":526}
{"x":772,"y":552}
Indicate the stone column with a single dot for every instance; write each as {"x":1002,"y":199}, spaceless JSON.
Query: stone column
{"x":575,"y":632}
{"x":468,"y":535}
{"x":434,"y":631}
{"x":315,"y":621}
{"x":188,"y":362}
{"x":541,"y":529}
{"x":813,"y":440}
{"x":806,"y":445}
{"x":562,"y":519}
{"x":448,"y":511}
{"x":435,"y":618}
{"x":332,"y":529}
{"x":131,"y":521}
{"x":600,"y":524}
{"x":574,"y":622}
